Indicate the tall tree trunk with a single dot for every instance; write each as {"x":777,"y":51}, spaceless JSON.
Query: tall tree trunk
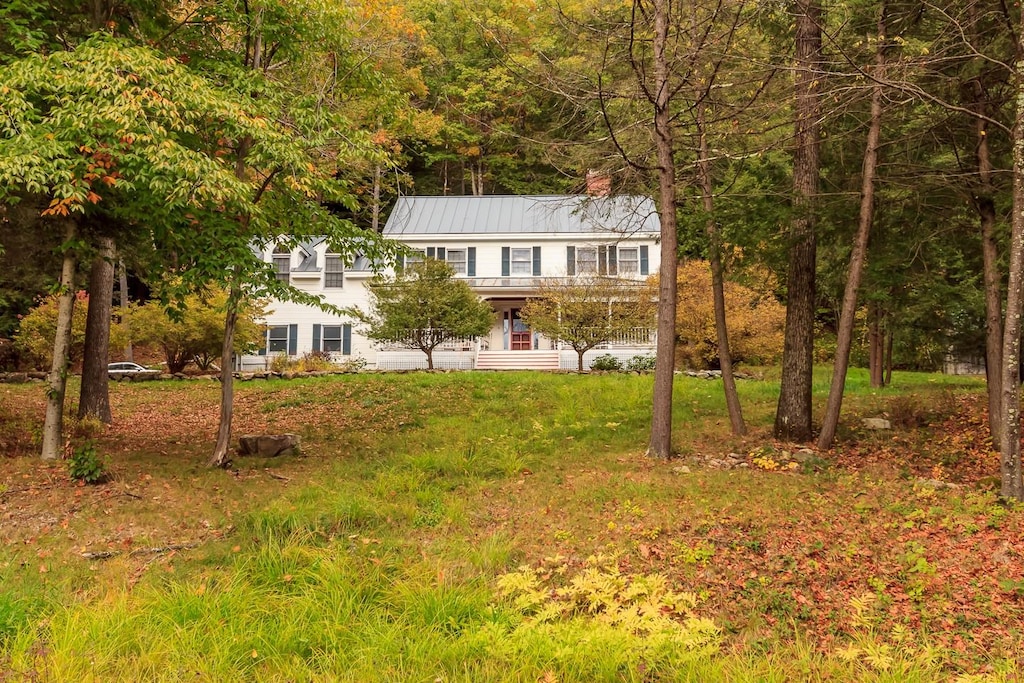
{"x":793,"y":415}
{"x":732,"y":399}
{"x":990,"y":268}
{"x":664,"y":370}
{"x":844,"y":338}
{"x":376,"y":199}
{"x":56,"y":384}
{"x":122,"y":277}
{"x":227,"y":379}
{"x":1009,"y":433}
{"x":94,"y":397}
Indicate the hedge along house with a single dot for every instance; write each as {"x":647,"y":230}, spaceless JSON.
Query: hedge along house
{"x":504,"y":247}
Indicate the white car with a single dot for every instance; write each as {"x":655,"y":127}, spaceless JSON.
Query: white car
{"x":126,"y":368}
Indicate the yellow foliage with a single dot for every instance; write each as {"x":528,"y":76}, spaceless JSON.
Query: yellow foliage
{"x":755,"y":319}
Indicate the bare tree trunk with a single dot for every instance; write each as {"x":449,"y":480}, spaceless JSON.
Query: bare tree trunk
{"x":56,"y":385}
{"x":664,"y":369}
{"x":1009,"y":433}
{"x":990,"y":269}
{"x":844,"y":335}
{"x":430,"y":357}
{"x":476,"y":178}
{"x":376,"y":199}
{"x":579,"y":355}
{"x":94,"y":397}
{"x":793,"y":415}
{"x":227,"y":379}
{"x":125,"y":317}
{"x":732,"y":399}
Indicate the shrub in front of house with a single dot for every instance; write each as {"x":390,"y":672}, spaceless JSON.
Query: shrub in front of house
{"x":640,"y":364}
{"x":607,"y":362}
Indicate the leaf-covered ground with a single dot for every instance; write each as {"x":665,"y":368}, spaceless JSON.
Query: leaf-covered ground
{"x":855,"y":542}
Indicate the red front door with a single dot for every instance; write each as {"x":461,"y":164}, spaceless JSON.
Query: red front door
{"x":522,"y":337}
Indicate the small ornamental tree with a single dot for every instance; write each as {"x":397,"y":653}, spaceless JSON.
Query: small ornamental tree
{"x":586,"y":311}
{"x":422,"y":307}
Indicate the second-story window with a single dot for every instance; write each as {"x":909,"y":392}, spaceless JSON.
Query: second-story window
{"x":457,"y":260}
{"x":629,"y":261}
{"x":282,"y":259}
{"x":522,"y":261}
{"x":414,"y":257}
{"x":586,"y":260}
{"x":334,"y":272}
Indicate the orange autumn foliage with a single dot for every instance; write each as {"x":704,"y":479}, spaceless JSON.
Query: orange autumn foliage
{"x":755,"y":319}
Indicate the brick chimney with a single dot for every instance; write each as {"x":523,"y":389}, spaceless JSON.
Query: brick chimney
{"x":598,"y":184}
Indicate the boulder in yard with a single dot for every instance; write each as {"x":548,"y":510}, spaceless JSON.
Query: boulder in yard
{"x":804,"y":455}
{"x":876,"y":423}
{"x":268,"y":445}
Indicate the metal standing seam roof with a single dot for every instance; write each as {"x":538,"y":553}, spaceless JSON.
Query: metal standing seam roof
{"x":491,"y":215}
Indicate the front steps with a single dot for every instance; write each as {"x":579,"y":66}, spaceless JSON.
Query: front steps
{"x":517,"y":360}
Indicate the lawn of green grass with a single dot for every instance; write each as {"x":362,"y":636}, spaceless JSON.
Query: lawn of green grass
{"x":508,"y":527}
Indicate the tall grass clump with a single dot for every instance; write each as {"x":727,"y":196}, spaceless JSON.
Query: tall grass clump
{"x":314,"y":513}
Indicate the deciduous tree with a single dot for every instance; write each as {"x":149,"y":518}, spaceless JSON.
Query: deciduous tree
{"x":793,"y":415}
{"x":756,"y":318}
{"x":422,"y":307}
{"x":586,"y":311}
{"x":123,"y":125}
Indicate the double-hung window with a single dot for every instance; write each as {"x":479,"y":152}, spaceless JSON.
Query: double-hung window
{"x":281,"y":339}
{"x":606,"y":260}
{"x":517,"y":261}
{"x":277,"y":339}
{"x":521,"y":261}
{"x":414,"y":257}
{"x":586,"y":260}
{"x":282,"y":259}
{"x":629,"y":260}
{"x":334,"y":272}
{"x":457,"y":260}
{"x":333,"y":338}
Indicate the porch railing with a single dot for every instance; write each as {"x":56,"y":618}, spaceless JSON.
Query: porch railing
{"x":632,"y":337}
{"x":451,"y":344}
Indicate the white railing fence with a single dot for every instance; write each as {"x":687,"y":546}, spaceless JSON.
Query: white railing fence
{"x":450,"y":344}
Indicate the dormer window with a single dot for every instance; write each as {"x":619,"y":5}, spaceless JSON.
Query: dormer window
{"x":334,"y":272}
{"x":282,"y":259}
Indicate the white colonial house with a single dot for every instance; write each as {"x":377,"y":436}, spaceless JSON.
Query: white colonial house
{"x":503,"y":247}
